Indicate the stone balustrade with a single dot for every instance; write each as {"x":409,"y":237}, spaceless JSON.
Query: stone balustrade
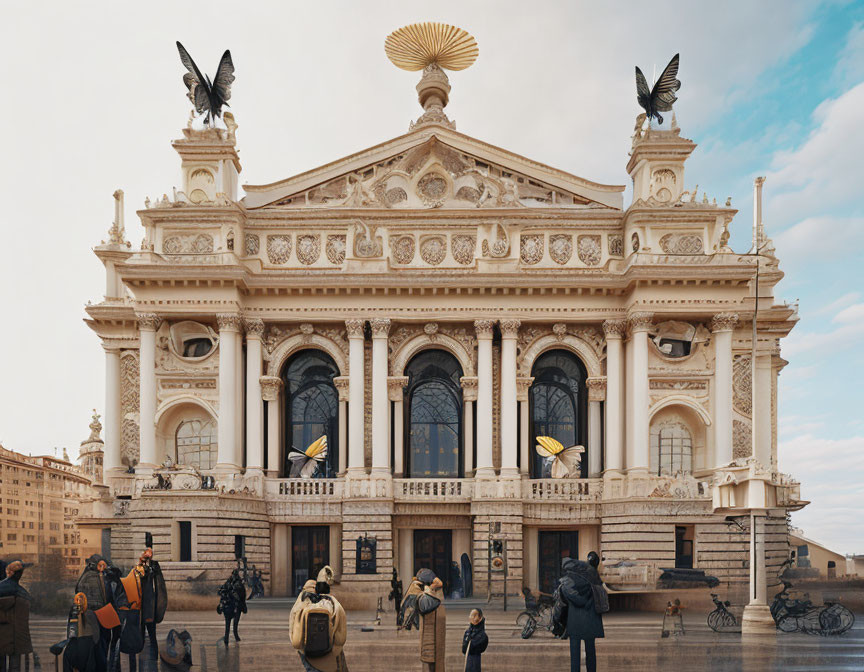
{"x":305,"y":488}
{"x":551,"y":489}
{"x":433,"y":489}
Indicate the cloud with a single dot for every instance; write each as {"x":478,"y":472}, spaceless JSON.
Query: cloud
{"x":850,"y":62}
{"x":820,"y":238}
{"x":838,"y":304}
{"x":849,"y":333}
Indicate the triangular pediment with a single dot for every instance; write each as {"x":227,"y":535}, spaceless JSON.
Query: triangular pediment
{"x":434,"y":167}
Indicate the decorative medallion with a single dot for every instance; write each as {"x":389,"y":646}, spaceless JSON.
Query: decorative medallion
{"x":500,"y":246}
{"x":432,"y":189}
{"x":200,"y":244}
{"x":336,"y":249}
{"x":278,"y":249}
{"x":431,"y":330}
{"x":395,"y":196}
{"x":463,"y":248}
{"x":634,"y":241}
{"x":367,"y":242}
{"x":616,"y":245}
{"x":589,"y":251}
{"x":561,"y":247}
{"x":433,"y":250}
{"x":681,"y":243}
{"x":308,"y":248}
{"x":253,"y":244}
{"x":531,"y":249}
{"x":469,"y":194}
{"x":402,"y":249}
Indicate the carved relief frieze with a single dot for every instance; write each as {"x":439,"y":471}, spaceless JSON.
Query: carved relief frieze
{"x":402,"y":249}
{"x":531,"y":248}
{"x":278,"y":249}
{"x":201,"y":243}
{"x":616,"y":245}
{"x":335,"y":249}
{"x":308,"y":248}
{"x":253,"y":244}
{"x":742,"y":439}
{"x":561,"y":247}
{"x":367,"y":242}
{"x":682,"y":243}
{"x":677,"y":385}
{"x":433,"y":250}
{"x":588,"y":248}
{"x":433,"y":189}
{"x":462,"y":247}
{"x":742,"y":380}
{"x":129,"y":406}
{"x":498,"y":246}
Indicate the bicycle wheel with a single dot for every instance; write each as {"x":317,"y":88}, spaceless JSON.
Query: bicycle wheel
{"x":544,"y":617}
{"x":787,"y":623}
{"x":835,"y":619}
{"x":811,"y":622}
{"x":526,"y":624}
{"x":715,"y":619}
{"x":728,"y":620}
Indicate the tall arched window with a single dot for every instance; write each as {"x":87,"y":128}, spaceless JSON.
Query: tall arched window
{"x":311,"y":406}
{"x":433,"y":416}
{"x":558,"y":404}
{"x":671,"y":449}
{"x":196,"y":442}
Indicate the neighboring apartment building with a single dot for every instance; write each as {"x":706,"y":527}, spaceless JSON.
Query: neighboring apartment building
{"x":432,"y":305}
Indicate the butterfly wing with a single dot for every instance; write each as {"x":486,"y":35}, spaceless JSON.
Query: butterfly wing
{"x":298,"y":461}
{"x":317,"y":450}
{"x":663,"y":94}
{"x":194,"y":81}
{"x":643,"y":93}
{"x":548,"y":447}
{"x":571,"y":459}
{"x":223,"y":79}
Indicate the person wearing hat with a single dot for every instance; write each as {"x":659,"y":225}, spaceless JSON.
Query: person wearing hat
{"x":474,"y":641}
{"x":315,"y":605}
{"x":583,"y":621}
{"x":433,"y":622}
{"x":14,"y":616}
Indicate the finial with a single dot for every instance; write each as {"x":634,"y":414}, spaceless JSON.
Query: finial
{"x":117,"y":232}
{"x":433,"y":48}
{"x":95,"y":427}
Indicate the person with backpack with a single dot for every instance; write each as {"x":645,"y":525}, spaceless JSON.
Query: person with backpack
{"x":433,"y":622}
{"x":232,"y":603}
{"x":318,"y":626}
{"x":580,"y":599}
{"x":475,"y":640}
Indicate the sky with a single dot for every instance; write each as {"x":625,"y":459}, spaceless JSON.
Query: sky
{"x":92,"y":96}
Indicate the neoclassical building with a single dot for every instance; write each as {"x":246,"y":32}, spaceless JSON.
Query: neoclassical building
{"x":433,"y":304}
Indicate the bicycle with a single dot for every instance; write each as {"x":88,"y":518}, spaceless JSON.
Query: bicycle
{"x":721,"y":619}
{"x":538,"y":612}
{"x":793,"y":615}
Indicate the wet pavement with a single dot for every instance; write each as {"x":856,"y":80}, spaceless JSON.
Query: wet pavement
{"x":632,"y":642}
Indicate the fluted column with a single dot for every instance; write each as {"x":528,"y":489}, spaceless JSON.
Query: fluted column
{"x":596,"y":394}
{"x":396,"y":394}
{"x":111,"y":457}
{"x":509,"y":407}
{"x":229,"y":333}
{"x":484,"y":467}
{"x":356,"y":398}
{"x":341,"y":383}
{"x":148,"y":323}
{"x":762,"y":412}
{"x":469,"y":396}
{"x":523,"y":384}
{"x":614,"y":330}
{"x":380,"y":398}
{"x":254,"y":405}
{"x":638,"y":443}
{"x":722,"y":325}
{"x":270,"y":387}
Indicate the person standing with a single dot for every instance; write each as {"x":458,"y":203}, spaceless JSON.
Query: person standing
{"x":575,"y":593}
{"x":232,"y":603}
{"x":14,"y":617}
{"x":318,"y":627}
{"x":154,"y":597}
{"x":433,"y":622}
{"x":475,"y":640}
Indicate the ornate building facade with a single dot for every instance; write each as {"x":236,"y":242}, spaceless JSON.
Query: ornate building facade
{"x":432,"y":305}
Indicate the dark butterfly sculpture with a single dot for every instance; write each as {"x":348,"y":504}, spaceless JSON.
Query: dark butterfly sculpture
{"x":660,"y":98}
{"x":205,"y":95}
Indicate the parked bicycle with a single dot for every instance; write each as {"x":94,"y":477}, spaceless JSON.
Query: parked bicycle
{"x":721,"y":619}
{"x":538,"y":613}
{"x":793,"y":615}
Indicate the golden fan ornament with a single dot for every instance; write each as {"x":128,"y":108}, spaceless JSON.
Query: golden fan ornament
{"x":567,"y":460}
{"x":421,"y":44}
{"x":304,"y":464}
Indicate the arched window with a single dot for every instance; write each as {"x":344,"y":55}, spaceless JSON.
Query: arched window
{"x":196,"y":442}
{"x":671,"y":449}
{"x":311,"y":406}
{"x":558,"y":403}
{"x":433,"y":416}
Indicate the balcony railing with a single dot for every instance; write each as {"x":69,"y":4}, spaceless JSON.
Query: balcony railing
{"x":305,"y":488}
{"x":433,"y":489}
{"x":563,"y":489}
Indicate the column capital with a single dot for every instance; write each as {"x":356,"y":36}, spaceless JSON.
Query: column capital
{"x":614,"y":328}
{"x":148,"y":321}
{"x":484,"y":328}
{"x":724,"y":322}
{"x":469,"y":388}
{"x":523,"y":384}
{"x":395,"y":387}
{"x":596,"y":388}
{"x":640,"y":321}
{"x":354,"y":328}
{"x":229,"y":321}
{"x":254,"y":327}
{"x":341,"y":384}
{"x":380,"y":327}
{"x":509,"y":328}
{"x":270,"y":386}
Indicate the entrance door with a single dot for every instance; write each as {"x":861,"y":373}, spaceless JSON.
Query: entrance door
{"x":433,"y":549}
{"x":555,"y":545}
{"x":310,"y":551}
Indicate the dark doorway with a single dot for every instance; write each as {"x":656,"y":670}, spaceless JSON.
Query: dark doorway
{"x":310,"y":551}
{"x":683,"y":547}
{"x":555,"y":545}
{"x":433,"y":549}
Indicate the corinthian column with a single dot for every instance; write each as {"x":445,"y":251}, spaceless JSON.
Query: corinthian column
{"x":356,"y":398}
{"x":254,"y":404}
{"x":148,"y":323}
{"x":509,"y":407}
{"x":596,"y":394}
{"x":484,"y":399}
{"x":270,"y":387}
{"x":523,"y":384}
{"x":722,"y":325}
{"x":638,"y":444}
{"x":396,"y":390}
{"x":111,"y":457}
{"x":380,"y":398}
{"x":469,"y":396}
{"x":614,"y":330}
{"x":229,"y":334}
{"x":341,"y":383}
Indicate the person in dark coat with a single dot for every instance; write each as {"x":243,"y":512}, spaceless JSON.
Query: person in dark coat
{"x":232,"y":603}
{"x":583,"y":621}
{"x":475,"y":640}
{"x":14,"y":617}
{"x":154,"y":597}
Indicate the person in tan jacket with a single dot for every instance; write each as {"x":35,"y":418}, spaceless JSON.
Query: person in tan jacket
{"x":433,"y":622}
{"x":315,"y":600}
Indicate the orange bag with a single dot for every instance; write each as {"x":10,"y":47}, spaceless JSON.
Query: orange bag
{"x":107,"y":617}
